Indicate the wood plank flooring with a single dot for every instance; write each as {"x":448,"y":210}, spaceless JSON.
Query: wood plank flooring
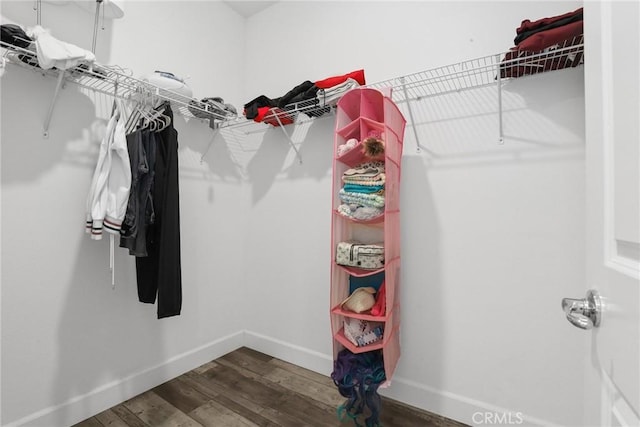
{"x":248,"y":388}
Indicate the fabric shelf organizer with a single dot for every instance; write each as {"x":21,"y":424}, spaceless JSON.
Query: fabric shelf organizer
{"x":365,"y":244}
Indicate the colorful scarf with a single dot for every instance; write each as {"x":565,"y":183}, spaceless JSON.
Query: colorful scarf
{"x":358,"y":377}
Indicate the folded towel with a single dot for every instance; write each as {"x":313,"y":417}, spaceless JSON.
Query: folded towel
{"x":361,"y":199}
{"x":359,"y":212}
{"x":365,"y":180}
{"x":368,"y":189}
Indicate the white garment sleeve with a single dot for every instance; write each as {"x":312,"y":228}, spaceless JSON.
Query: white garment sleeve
{"x":119,"y":182}
{"x":97,"y":198}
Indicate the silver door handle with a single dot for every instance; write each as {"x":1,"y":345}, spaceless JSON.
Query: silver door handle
{"x":584,"y":313}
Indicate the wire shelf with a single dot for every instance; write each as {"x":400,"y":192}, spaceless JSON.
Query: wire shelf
{"x":474,"y":73}
{"x":484,"y":71}
{"x":115,"y":81}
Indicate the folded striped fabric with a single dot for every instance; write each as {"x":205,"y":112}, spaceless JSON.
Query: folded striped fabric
{"x":365,"y":180}
{"x":367,"y":169}
{"x":361,"y":199}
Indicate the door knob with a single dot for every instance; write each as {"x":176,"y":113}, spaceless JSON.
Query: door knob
{"x":584,"y":313}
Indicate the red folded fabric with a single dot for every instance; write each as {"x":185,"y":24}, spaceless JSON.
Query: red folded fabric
{"x":262,"y":111}
{"x":528,"y":25}
{"x":543,"y":39}
{"x":379,"y":308}
{"x":270,"y":117}
{"x":357,"y":75}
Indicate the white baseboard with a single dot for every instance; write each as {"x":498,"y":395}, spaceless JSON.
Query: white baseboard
{"x":300,"y":356}
{"x":108,"y":395}
{"x":450,"y":405}
{"x":456,"y":407}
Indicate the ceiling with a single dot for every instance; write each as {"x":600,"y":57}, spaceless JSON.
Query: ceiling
{"x":248,"y":8}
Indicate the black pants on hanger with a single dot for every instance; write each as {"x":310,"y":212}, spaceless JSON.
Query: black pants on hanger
{"x":141,"y":145}
{"x":160,"y":272}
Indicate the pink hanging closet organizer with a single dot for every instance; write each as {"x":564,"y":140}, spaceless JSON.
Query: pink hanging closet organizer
{"x":362,"y":113}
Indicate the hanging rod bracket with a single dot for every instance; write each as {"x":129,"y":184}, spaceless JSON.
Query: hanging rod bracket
{"x":499,"y":85}
{"x":215,"y":133}
{"x":281,"y":126}
{"x":47,"y":119}
{"x":413,"y":122}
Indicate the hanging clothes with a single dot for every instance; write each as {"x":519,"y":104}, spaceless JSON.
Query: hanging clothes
{"x":141,"y":144}
{"x":159,"y":273}
{"x":109,"y":190}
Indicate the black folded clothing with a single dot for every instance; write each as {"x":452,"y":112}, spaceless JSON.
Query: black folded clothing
{"x":14,"y":35}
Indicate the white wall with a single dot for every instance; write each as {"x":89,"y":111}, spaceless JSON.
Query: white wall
{"x":492,"y":235}
{"x":71,"y":345}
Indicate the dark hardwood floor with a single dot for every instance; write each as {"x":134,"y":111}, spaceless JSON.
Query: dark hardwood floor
{"x":248,"y":388}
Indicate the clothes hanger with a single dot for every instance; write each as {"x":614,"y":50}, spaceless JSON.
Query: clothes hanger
{"x":160,"y":119}
{"x":137,"y":120}
{"x":164,"y":120}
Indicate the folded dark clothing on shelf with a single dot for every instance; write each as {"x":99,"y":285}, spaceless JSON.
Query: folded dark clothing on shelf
{"x":527,"y":28}
{"x":14,"y":35}
{"x":548,"y":38}
{"x":304,"y":98}
{"x":212,"y":108}
{"x":517,"y":63}
{"x":251,"y":107}
{"x":305,"y":90}
{"x":90,"y":71}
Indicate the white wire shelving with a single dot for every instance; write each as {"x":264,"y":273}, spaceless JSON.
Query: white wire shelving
{"x":475,"y":73}
{"x":488,"y":70}
{"x":491,"y":70}
{"x":482,"y":72}
{"x":111,"y":80}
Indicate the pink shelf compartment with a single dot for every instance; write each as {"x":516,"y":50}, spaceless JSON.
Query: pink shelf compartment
{"x":358,"y":129}
{"x":383,"y":343}
{"x":337,"y":310}
{"x":349,"y":107}
{"x":362,"y":125}
{"x":351,"y":130}
{"x":352,"y":157}
{"x":342,"y":339}
{"x":371,"y":104}
{"x":359,"y":272}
